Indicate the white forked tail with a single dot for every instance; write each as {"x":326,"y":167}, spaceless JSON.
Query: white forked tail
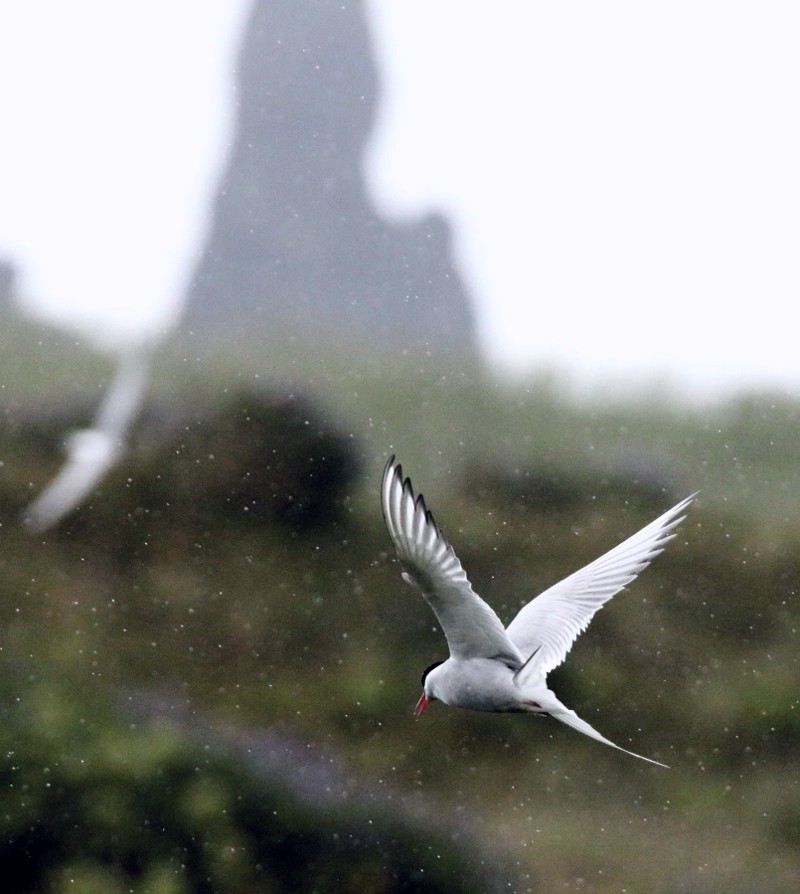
{"x":561,"y":712}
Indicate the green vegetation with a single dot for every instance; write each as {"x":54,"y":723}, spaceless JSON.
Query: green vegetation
{"x":234,"y":575}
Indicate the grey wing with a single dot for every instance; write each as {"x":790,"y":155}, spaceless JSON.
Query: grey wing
{"x":471,"y":627}
{"x":546,"y":627}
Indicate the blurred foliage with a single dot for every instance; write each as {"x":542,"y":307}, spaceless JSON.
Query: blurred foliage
{"x":90,"y":803}
{"x":236,"y":562}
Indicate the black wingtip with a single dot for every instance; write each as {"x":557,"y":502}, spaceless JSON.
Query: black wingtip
{"x":393,"y":469}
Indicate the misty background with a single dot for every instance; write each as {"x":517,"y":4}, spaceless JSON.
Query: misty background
{"x":615,"y":190}
{"x":545,"y":254}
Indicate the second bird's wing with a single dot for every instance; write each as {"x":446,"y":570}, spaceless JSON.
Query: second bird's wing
{"x":93,"y":452}
{"x":471,"y":627}
{"x":90,"y":456}
{"x":548,"y":625}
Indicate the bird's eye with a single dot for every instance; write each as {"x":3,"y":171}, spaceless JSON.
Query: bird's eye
{"x":428,"y":670}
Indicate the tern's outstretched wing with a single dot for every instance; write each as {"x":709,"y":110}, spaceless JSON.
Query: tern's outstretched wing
{"x":125,"y":393}
{"x":550,"y":623}
{"x":471,"y":627}
{"x":91,"y":453}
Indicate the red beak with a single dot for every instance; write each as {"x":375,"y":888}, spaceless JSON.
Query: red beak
{"x":421,"y":705}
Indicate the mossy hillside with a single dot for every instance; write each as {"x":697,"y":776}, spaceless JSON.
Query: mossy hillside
{"x":168,"y":582}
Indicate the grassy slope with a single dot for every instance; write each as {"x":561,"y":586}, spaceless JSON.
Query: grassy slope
{"x":695,"y":665}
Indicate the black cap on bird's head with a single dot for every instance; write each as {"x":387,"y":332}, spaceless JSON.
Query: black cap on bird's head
{"x":428,"y":670}
{"x":423,"y":699}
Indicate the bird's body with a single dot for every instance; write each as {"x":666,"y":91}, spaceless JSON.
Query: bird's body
{"x":482,"y":684}
{"x":492,"y":668}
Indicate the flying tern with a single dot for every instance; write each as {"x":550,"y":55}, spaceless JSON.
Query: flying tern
{"x":492,"y":668}
{"x":93,"y":452}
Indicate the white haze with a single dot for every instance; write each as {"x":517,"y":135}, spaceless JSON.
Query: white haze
{"x":622,"y":178}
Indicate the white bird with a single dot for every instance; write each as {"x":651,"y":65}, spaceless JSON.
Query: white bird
{"x":92,"y":452}
{"x":492,"y":668}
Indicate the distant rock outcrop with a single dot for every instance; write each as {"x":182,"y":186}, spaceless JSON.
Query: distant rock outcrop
{"x":7,"y":284}
{"x":296,"y":249}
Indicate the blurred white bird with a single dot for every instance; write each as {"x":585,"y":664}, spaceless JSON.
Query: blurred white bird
{"x":92,"y":452}
{"x":492,"y":668}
